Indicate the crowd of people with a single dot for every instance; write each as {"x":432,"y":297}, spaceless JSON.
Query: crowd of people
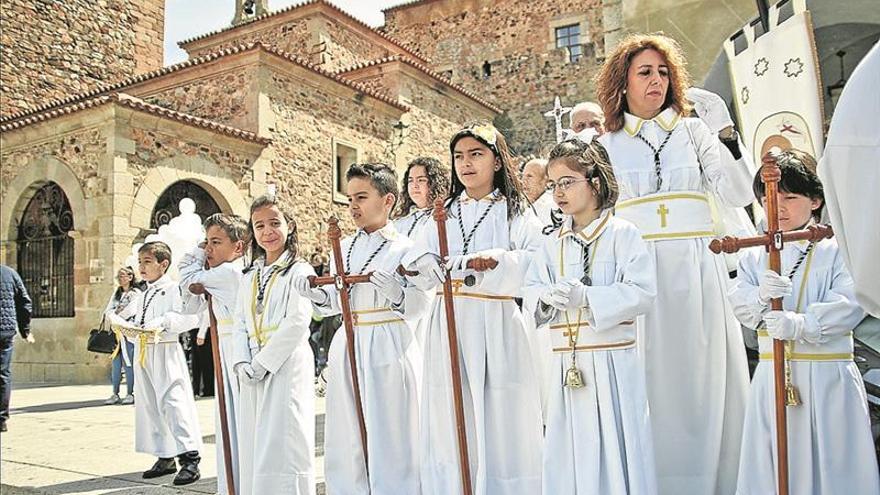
{"x":599,"y":340}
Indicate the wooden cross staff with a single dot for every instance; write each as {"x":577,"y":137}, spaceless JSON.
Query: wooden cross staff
{"x":343,"y":282}
{"x":773,"y":240}
{"x":221,"y":398}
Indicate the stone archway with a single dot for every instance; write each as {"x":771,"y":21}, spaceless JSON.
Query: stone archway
{"x":29,"y":181}
{"x":205,"y":174}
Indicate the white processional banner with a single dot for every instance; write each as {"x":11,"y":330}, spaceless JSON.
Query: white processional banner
{"x":777,"y":87}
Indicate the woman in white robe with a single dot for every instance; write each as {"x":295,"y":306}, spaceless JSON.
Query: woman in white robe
{"x":668,"y":168}
{"x":499,"y":386}
{"x":274,"y":362}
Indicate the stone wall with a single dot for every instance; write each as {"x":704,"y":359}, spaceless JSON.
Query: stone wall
{"x":53,"y":49}
{"x":515,"y":37}
{"x":227,"y":97}
{"x":301,"y":153}
{"x":322,"y":40}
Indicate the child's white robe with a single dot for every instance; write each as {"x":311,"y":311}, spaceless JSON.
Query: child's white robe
{"x":389,"y":361}
{"x":499,"y":383}
{"x":830,"y":447}
{"x":597,"y":438}
{"x":276,"y":420}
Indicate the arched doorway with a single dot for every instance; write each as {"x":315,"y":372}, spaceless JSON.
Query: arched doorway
{"x":167,"y":206}
{"x":45,"y":252}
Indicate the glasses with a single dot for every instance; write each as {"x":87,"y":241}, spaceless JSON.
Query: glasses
{"x":563,"y":184}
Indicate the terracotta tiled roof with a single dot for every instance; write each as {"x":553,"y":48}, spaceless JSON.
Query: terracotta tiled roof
{"x":300,"y":5}
{"x":411,"y":3}
{"x":137,"y":104}
{"x":115,"y":87}
{"x":436,"y":75}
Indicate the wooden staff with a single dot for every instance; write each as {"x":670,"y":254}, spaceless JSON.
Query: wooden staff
{"x":773,"y":240}
{"x":221,"y":398}
{"x":342,"y":283}
{"x":454,"y":365}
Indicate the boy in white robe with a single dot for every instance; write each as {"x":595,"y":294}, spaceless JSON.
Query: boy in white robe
{"x":273,"y":361}
{"x":830,"y":449}
{"x":216,"y":269}
{"x":385,"y":312}
{"x":166,"y":420}
{"x":590,"y":280}
{"x":486,"y":225}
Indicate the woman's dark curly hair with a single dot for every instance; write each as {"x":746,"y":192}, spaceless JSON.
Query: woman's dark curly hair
{"x":438,"y":184}
{"x":506,"y":178}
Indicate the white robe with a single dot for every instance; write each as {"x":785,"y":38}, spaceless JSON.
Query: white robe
{"x":222,"y":282}
{"x":276,"y":420}
{"x":389,"y":361}
{"x":830,"y":448}
{"x":597,"y":438}
{"x":412,"y":226}
{"x":543,"y":207}
{"x":166,"y":420}
{"x":696,"y":368}
{"x":499,"y":386}
{"x":850,"y":173}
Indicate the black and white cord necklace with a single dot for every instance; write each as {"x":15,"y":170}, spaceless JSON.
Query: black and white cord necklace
{"x":149,"y":300}
{"x":656,"y":154}
{"x":470,"y":280}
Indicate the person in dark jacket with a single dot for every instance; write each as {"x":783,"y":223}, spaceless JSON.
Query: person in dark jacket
{"x":15,"y":316}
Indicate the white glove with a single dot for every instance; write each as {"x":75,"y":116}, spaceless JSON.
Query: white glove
{"x":259,"y":371}
{"x":785,"y":325}
{"x":430,"y":270}
{"x":458,"y":263}
{"x":155,"y":324}
{"x":574,"y":291}
{"x":388,"y":286}
{"x":315,"y":294}
{"x":710,"y":108}
{"x":555,"y":299}
{"x":772,"y":286}
{"x":244,"y":372}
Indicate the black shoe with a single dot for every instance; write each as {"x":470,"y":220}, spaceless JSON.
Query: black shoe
{"x":161,"y":468}
{"x":189,"y":473}
{"x":3,"y":426}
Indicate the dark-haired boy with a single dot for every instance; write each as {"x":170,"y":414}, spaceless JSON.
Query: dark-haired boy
{"x":385,"y":314}
{"x":215,"y":267}
{"x":829,"y":432}
{"x":165,"y":412}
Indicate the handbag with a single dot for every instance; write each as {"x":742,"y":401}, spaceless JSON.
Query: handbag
{"x":101,"y":340}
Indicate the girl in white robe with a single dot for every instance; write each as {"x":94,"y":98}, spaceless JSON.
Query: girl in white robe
{"x":668,"y":167}
{"x":590,"y":280}
{"x":486,"y":223}
{"x":830,"y":448}
{"x":274,"y":362}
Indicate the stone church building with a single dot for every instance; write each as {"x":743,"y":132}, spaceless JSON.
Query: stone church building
{"x":99,"y":141}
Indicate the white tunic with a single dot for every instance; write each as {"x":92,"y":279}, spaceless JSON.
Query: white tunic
{"x":389,"y":361}
{"x":830,"y":448}
{"x":850,"y":173}
{"x":222,"y":282}
{"x":598,"y":438}
{"x":166,"y":420}
{"x":500,"y":390}
{"x":543,"y":207}
{"x":413,"y":226}
{"x":693,"y":348}
{"x":276,"y":421}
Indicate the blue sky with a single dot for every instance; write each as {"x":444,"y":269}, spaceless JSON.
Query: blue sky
{"x":185,"y":19}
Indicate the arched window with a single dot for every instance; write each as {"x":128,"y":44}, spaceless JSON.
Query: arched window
{"x":45,"y":252}
{"x":168,"y":204}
